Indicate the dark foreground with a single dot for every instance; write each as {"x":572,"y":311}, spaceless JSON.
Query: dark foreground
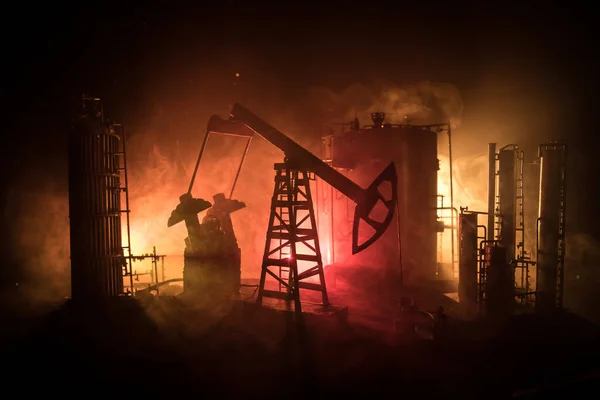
{"x":165,"y":348}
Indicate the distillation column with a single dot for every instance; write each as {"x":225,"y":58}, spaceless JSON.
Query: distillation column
{"x":507,"y":195}
{"x":97,"y":259}
{"x":551,"y":227}
{"x":499,"y":256}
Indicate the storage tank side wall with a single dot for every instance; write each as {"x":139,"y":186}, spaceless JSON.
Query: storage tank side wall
{"x":418,"y":191}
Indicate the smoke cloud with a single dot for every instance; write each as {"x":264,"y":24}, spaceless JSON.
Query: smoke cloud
{"x":421,"y":102}
{"x":159,"y":177}
{"x":162,"y":152}
{"x":40,"y":240}
{"x":582,"y":273}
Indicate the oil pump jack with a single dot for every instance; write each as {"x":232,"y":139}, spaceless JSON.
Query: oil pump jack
{"x":292,"y":221}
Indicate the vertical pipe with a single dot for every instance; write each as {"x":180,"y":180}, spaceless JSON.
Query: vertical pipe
{"x":332,"y":154}
{"x":399,"y":238}
{"x":467,"y":271}
{"x":491,"y":190}
{"x":331,"y":222}
{"x":318,"y":206}
{"x":155,"y":265}
{"x":441,"y":236}
{"x":452,"y":223}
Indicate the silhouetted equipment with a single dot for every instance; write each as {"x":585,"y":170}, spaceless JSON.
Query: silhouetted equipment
{"x":155,"y":283}
{"x":239,"y":130}
{"x":222,"y":209}
{"x":378,"y":118}
{"x":212,"y":261}
{"x":507,"y":199}
{"x":501,"y":288}
{"x":292,"y":195}
{"x":96,"y":167}
{"x":499,"y":284}
{"x":491,"y":223}
{"x":212,"y":268}
{"x":360,"y":153}
{"x":506,"y":189}
{"x":187,"y":210}
{"x":292,"y":239}
{"x":468,"y":269}
{"x":212,"y":258}
{"x":551,"y":227}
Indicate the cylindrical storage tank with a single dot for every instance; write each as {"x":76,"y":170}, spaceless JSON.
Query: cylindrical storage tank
{"x":417,"y":185}
{"x":551,"y":234}
{"x":467,"y":273}
{"x":499,"y":282}
{"x":507,"y":199}
{"x":94,"y":208}
{"x":362,"y":155}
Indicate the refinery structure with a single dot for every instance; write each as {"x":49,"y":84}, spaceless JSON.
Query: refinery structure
{"x":368,"y":202}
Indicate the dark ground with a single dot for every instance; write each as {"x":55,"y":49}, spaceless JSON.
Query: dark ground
{"x":164,"y":348}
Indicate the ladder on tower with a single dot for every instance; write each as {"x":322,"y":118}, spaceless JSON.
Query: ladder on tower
{"x":497,"y":216}
{"x":292,"y":223}
{"x":520,"y":203}
{"x":561,"y":238}
{"x":120,"y":158}
{"x":523,"y":261}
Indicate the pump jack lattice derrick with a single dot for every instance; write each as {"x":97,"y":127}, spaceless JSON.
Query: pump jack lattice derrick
{"x":292,"y":223}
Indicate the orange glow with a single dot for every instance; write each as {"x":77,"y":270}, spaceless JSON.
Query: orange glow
{"x":158,"y":176}
{"x":469,"y":190}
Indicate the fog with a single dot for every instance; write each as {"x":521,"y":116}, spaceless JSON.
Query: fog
{"x":163,"y":147}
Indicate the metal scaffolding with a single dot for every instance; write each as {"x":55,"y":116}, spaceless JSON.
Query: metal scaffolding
{"x":292,"y":223}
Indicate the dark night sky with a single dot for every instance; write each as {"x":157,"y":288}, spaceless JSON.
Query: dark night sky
{"x":312,"y":44}
{"x":119,"y":52}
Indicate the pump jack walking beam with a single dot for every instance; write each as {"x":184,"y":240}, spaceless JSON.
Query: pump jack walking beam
{"x":242,"y":122}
